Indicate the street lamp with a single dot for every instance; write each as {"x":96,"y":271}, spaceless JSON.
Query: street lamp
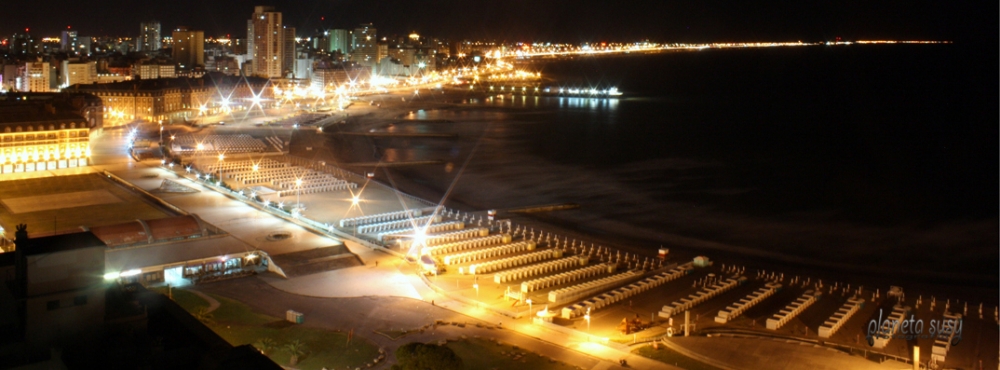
{"x":477,"y":289}
{"x":529,"y":308}
{"x":587,"y":317}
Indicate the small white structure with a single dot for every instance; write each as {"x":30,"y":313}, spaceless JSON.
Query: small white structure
{"x":702,"y":261}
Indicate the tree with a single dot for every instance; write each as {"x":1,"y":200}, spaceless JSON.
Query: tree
{"x":265,"y":345}
{"x":204,"y":315}
{"x":295,"y":349}
{"x":425,"y":356}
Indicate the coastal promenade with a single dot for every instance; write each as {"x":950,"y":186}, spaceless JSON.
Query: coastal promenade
{"x":250,"y":228}
{"x":382,"y":275}
{"x":391,"y":278}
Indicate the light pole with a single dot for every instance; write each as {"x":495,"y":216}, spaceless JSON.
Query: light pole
{"x":587,"y":317}
{"x":298,"y":189}
{"x":221,"y":157}
{"x":197,"y":152}
{"x":529,"y":308}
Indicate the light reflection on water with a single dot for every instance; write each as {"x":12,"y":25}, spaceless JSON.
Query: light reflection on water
{"x":525,"y":101}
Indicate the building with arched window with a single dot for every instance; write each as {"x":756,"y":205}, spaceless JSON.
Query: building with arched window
{"x":41,"y":132}
{"x":169,"y":98}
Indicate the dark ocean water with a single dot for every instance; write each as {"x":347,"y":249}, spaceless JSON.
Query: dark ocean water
{"x":880,"y":159}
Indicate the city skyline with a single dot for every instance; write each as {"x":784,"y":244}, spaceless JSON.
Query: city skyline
{"x":558,"y":21}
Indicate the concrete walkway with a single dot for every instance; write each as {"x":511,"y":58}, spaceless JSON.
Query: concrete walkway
{"x":395,"y":278}
{"x":357,"y":281}
{"x":213,"y":304}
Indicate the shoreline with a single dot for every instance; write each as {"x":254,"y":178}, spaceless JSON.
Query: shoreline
{"x":640,"y":239}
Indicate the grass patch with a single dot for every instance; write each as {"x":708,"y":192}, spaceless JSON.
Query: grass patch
{"x":481,"y":354}
{"x":324,"y":348}
{"x":235,"y":312}
{"x":238,"y":324}
{"x":671,"y":357}
{"x":190,"y":302}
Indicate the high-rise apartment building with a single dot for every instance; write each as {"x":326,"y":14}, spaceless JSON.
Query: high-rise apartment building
{"x":149,"y":36}
{"x":268,"y":42}
{"x":288,"y":50}
{"x":73,"y":44}
{"x":339,"y":40}
{"x":364,"y":45}
{"x":188,"y":48}
{"x":250,"y":39}
{"x":37,"y":77}
{"x":84,"y":73}
{"x":69,"y":41}
{"x":23,"y":43}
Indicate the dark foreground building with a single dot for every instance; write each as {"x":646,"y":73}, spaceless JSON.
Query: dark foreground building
{"x":56,"y":309}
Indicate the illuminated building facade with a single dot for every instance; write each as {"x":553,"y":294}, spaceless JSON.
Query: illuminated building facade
{"x":250,"y":37}
{"x":288,"y":51}
{"x":79,"y":73}
{"x":340,"y":40}
{"x":154,"y":71}
{"x":41,"y":132}
{"x":37,"y":77}
{"x":364,"y":45}
{"x":149,"y":36}
{"x":334,"y":78}
{"x":69,"y":41}
{"x":268,"y":42}
{"x":189,"y":48}
{"x":160,"y":99}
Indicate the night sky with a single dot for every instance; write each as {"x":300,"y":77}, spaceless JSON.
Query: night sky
{"x":532,"y":20}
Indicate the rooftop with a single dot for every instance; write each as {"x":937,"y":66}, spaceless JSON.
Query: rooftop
{"x":134,"y":231}
{"x":11,"y":115}
{"x":16,"y":108}
{"x":61,"y":242}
